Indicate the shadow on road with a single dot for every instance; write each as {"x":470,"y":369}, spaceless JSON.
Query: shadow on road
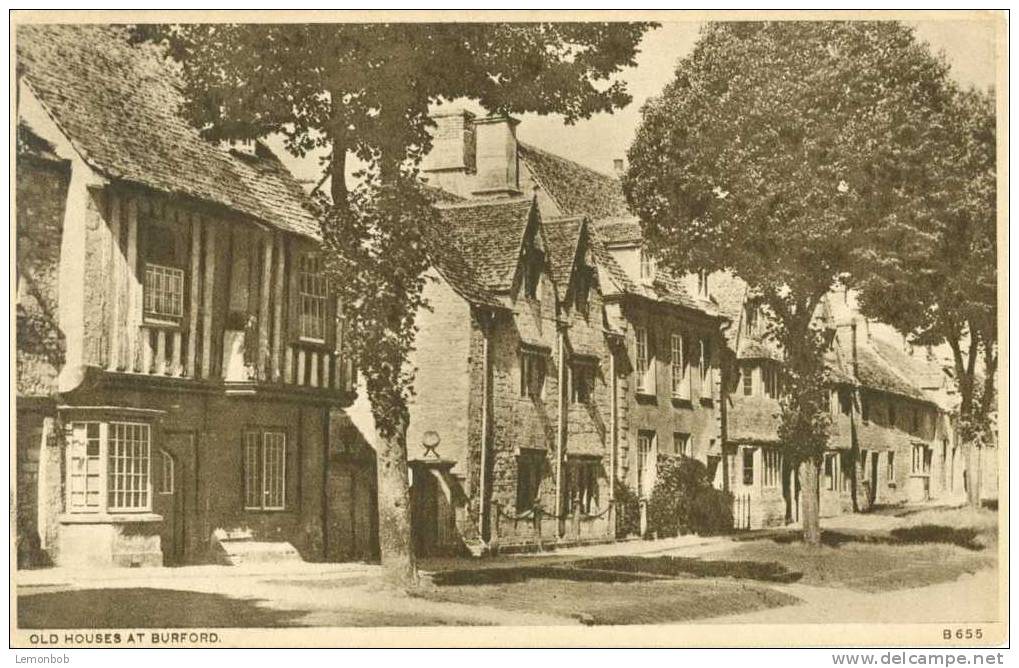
{"x":145,"y":608}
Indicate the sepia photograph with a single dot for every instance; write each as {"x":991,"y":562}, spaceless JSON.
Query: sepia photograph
{"x":671,"y":329}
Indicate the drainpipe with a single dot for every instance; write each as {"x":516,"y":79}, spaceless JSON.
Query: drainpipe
{"x":486,"y":387}
{"x":613,"y":426}
{"x":560,"y":444}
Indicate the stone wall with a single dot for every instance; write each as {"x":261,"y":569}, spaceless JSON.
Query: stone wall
{"x":41,"y":191}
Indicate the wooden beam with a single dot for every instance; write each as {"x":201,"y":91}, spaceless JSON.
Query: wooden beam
{"x":196,"y":265}
{"x":263,"y":309}
{"x":277,"y":311}
{"x":116,"y":351}
{"x":209,"y":286}
{"x":134,"y":287}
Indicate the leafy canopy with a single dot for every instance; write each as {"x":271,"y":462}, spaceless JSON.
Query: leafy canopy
{"x":774,"y":150}
{"x":366,"y":89}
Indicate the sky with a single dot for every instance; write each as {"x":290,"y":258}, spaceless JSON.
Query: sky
{"x":596,"y":142}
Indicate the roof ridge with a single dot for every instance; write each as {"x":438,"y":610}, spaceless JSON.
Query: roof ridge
{"x":470,"y":204}
{"x":532,"y":147}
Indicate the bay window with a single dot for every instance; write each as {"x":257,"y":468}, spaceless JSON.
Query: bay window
{"x":108,"y":467}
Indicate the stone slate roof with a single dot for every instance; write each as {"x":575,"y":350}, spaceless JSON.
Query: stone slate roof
{"x":449,"y":259}
{"x":620,"y":230}
{"x":562,"y":236}
{"x":753,"y":420}
{"x":490,"y":235}
{"x":876,"y":372}
{"x":577,"y":190}
{"x":119,"y":105}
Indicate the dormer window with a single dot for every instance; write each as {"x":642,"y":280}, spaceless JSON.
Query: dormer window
{"x":582,"y":288}
{"x":647,"y":266}
{"x":702,"y":284}
{"x":533,"y":263}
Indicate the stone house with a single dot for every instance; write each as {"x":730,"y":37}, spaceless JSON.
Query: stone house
{"x":891,"y":440}
{"x":181,"y":380}
{"x":598,"y":320}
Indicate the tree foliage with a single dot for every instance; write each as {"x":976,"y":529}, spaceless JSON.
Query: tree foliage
{"x":932,"y":271}
{"x":684,"y":501}
{"x":775,"y":150}
{"x":366,"y":89}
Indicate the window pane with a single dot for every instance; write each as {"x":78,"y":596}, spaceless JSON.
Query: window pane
{"x":128,"y":467}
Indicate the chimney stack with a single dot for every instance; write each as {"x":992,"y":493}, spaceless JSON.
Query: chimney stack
{"x":496,"y":156}
{"x":617,"y":168}
{"x":452,"y":143}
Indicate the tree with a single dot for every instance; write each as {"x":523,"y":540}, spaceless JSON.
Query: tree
{"x":365,"y":89}
{"x":932,"y":271}
{"x":776,"y":147}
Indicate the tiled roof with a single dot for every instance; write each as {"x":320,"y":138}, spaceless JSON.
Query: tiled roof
{"x":562,"y":236}
{"x":620,"y":230}
{"x":119,"y":104}
{"x":753,"y":420}
{"x":665,"y":288}
{"x":875,"y":371}
{"x":577,"y":190}
{"x":443,"y":247}
{"x":490,"y":235}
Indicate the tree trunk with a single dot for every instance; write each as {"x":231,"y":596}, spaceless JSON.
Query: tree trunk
{"x":972,"y":472}
{"x":395,"y":541}
{"x":338,"y":173}
{"x":810,"y":505}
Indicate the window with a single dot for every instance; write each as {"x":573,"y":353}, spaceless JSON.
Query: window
{"x":533,"y":263}
{"x":585,"y":276}
{"x":748,"y":380}
{"x":532,"y":373}
{"x":681,"y":444}
{"x":582,"y":377}
{"x":164,"y":291}
{"x":891,"y":414}
{"x":891,"y":467}
{"x":922,"y":456}
{"x":915,"y":421}
{"x":845,"y":464}
{"x":265,"y":469}
{"x":166,"y":479}
{"x":772,"y":467}
{"x":707,"y":378}
{"x":646,"y":462}
{"x":845,"y":401}
{"x":680,"y":388}
{"x":647,"y":266}
{"x":583,"y":485}
{"x":645,"y":363}
{"x":865,"y":408}
{"x":122,"y":484}
{"x":530,"y":470}
{"x":85,"y":485}
{"x":865,"y":468}
{"x":830,"y":482}
{"x":702,"y":284}
{"x":751,"y":317}
{"x":769,"y":378}
{"x":312,"y":298}
{"x":748,"y":467}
